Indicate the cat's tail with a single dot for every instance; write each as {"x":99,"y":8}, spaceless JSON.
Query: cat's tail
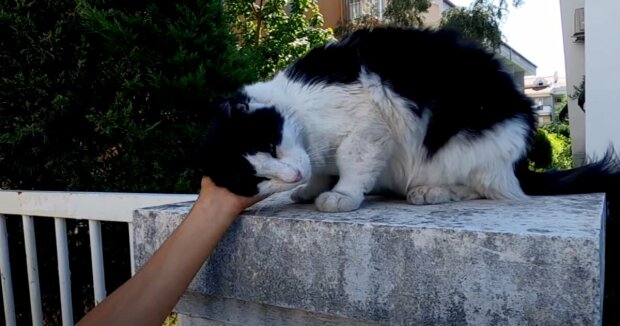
{"x":598,"y":176}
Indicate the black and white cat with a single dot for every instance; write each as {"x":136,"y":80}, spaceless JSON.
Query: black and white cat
{"x":422,"y":114}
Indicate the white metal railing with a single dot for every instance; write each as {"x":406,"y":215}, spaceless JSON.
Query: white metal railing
{"x":92,"y":206}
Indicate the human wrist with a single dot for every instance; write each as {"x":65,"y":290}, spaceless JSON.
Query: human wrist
{"x":210,"y":192}
{"x":215,"y":205}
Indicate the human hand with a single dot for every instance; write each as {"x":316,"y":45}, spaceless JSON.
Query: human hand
{"x":222,"y":196}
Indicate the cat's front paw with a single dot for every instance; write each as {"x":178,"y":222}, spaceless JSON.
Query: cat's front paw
{"x":428,"y":195}
{"x":303,"y":195}
{"x":333,"y":202}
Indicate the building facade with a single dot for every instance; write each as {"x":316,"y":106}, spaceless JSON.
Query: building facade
{"x":546,"y":93}
{"x":591,"y":48}
{"x":574,"y":57}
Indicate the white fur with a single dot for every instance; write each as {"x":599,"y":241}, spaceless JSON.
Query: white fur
{"x":290,"y":168}
{"x":368,"y":136}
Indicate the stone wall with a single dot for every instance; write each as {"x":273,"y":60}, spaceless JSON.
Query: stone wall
{"x":534,"y":262}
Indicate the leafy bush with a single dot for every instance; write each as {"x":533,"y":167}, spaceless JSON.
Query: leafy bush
{"x":560,"y":144}
{"x":406,"y":13}
{"x":559,"y":128}
{"x":104,"y":96}
{"x":110,"y":95}
{"x":273,"y":33}
{"x":479,"y":22}
{"x":541,"y":154}
{"x":345,"y":28}
{"x":551,"y":148}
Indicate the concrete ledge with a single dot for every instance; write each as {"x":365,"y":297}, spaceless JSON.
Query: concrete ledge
{"x":535,"y":262}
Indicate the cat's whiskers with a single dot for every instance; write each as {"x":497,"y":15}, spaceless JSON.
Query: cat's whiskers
{"x":268,"y":203}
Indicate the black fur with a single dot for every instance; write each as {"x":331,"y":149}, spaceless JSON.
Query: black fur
{"x":233,"y":133}
{"x":462,"y":85}
{"x":328,"y":64}
{"x":599,"y":176}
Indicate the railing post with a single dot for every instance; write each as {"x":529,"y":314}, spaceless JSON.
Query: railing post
{"x":33,"y":270}
{"x":64,"y":274}
{"x":92,"y":206}
{"x":132,"y":260}
{"x":96,"y":253}
{"x":5,"y":273}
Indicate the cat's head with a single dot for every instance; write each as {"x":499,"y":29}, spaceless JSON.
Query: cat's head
{"x":252,"y":149}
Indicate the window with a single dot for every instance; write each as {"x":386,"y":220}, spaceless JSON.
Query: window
{"x":356,"y":9}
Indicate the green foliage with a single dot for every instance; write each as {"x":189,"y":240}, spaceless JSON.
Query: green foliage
{"x":560,"y":105}
{"x":406,"y":13}
{"x":276,"y":32}
{"x":541,"y":154}
{"x":481,"y":21}
{"x":562,"y":152}
{"x":110,"y":96}
{"x":560,"y":128}
{"x":347,"y":27}
{"x":579,"y":94}
{"x":104,"y":96}
{"x":478,"y":22}
{"x":551,"y":148}
{"x":500,"y":7}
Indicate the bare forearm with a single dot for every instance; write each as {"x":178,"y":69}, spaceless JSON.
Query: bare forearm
{"x":148,"y":297}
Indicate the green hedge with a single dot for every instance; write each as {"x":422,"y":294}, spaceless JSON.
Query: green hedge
{"x":110,"y":95}
{"x":551,"y":148}
{"x":104,"y":96}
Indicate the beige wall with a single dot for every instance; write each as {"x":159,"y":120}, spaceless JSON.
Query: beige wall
{"x":544,"y":120}
{"x":602,"y":76}
{"x":333,"y":11}
{"x":432,"y":18}
{"x":574,"y":55}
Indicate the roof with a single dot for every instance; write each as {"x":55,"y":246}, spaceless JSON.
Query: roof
{"x":542,"y":86}
{"x":516,"y":58}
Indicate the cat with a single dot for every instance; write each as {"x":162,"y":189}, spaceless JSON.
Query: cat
{"x":422,"y":114}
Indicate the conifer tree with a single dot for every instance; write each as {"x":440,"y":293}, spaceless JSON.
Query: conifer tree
{"x":110,"y":95}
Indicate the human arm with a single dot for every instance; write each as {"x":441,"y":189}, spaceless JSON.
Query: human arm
{"x":149,"y":296}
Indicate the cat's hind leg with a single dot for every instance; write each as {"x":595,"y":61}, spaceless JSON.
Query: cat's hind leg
{"x":428,"y":195}
{"x":360,"y":158}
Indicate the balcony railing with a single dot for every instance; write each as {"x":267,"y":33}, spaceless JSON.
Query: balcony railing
{"x":91,"y":206}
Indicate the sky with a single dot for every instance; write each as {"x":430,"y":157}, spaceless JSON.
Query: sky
{"x":534,"y":29}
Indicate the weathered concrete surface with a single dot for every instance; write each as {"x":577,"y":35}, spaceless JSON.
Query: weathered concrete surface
{"x":533,"y":262}
{"x":205,"y":310}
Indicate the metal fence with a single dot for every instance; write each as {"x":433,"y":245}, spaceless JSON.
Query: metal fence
{"x":92,"y":206}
